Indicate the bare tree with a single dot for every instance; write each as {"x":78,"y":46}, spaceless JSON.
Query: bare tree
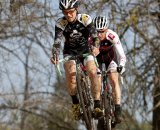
{"x":27,"y":89}
{"x":28,"y":92}
{"x":137,"y":23}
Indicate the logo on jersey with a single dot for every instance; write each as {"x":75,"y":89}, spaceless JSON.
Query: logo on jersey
{"x":75,"y":34}
{"x":105,"y":43}
{"x":111,"y":36}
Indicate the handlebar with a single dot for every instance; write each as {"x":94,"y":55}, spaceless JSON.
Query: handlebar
{"x":75,"y":57}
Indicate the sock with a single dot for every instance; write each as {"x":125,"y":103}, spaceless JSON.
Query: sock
{"x":117,"y":107}
{"x":97,"y":103}
{"x":75,"y":99}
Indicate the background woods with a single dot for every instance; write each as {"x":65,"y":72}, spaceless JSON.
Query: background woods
{"x":32,"y":97}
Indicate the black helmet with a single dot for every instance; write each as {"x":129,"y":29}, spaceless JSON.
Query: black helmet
{"x":68,"y":4}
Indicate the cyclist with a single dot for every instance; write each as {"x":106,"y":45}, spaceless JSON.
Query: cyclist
{"x":76,"y":28}
{"x":112,"y":54}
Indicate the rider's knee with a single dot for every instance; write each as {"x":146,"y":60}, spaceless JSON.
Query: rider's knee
{"x":71,"y":77}
{"x":91,"y":68}
{"x":92,"y":71}
{"x":73,"y":80}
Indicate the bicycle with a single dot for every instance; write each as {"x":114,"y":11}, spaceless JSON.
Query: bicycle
{"x":84,"y":91}
{"x":107,"y":121}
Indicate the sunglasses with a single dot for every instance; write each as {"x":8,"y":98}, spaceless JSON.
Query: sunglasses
{"x":100,"y":31}
{"x":66,"y":12}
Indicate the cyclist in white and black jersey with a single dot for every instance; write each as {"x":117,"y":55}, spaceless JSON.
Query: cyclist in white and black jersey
{"x":112,"y":54}
{"x":76,"y":28}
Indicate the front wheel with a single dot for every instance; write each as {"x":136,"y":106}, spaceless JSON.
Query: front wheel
{"x":105,"y":123}
{"x":100,"y":125}
{"x":84,"y":103}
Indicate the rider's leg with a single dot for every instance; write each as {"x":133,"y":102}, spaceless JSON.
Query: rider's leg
{"x":114,"y":80}
{"x":70,"y":71}
{"x":117,"y":92}
{"x":116,"y":87}
{"x":96,"y":88}
{"x":99,"y":75}
{"x":92,"y":72}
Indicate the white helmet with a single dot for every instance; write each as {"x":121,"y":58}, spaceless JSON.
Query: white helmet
{"x":100,"y":22}
{"x":68,"y":4}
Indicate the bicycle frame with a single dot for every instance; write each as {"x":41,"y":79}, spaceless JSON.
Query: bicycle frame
{"x":84,"y":92}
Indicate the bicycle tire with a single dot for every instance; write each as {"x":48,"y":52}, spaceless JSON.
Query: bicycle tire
{"x":107,"y":122}
{"x":86,"y":99}
{"x":82,"y":97}
{"x":89,"y":101}
{"x":104,"y":123}
{"x":107,"y":118}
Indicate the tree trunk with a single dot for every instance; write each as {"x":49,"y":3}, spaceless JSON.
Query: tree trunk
{"x":156,"y":100}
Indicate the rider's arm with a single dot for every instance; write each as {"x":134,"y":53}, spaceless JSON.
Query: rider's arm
{"x":57,"y":40}
{"x":59,"y":28}
{"x":93,"y":34}
{"x":95,"y":39}
{"x":114,"y":38}
{"x":86,"y":20}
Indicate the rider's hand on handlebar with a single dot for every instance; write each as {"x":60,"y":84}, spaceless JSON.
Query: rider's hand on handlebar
{"x":55,"y":59}
{"x":95,"y":50}
{"x":120,"y":69}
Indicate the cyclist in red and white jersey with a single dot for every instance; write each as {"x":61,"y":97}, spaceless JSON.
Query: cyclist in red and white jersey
{"x":112,"y":54}
{"x":75,"y":28}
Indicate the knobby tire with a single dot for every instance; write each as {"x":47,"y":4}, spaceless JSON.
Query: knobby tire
{"x":107,"y":118}
{"x":83,"y":98}
{"x":104,"y":123}
{"x":88,"y":101}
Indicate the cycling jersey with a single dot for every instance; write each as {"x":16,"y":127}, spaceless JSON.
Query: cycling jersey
{"x":111,"y":49}
{"x":76,"y":35}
